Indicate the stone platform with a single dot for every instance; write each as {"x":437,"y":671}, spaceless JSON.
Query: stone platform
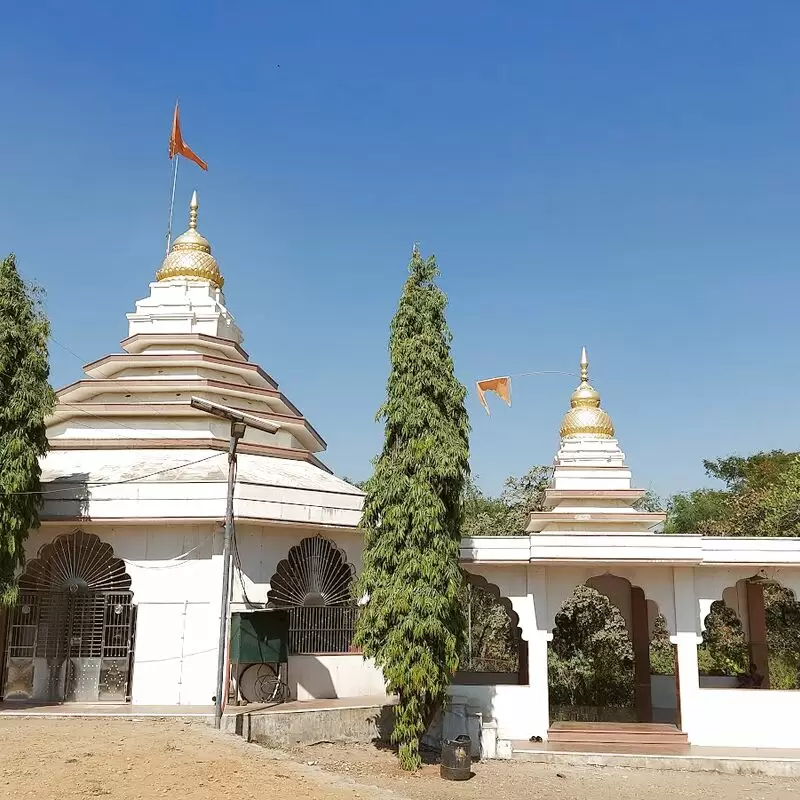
{"x":686,"y":758}
{"x":360,"y":720}
{"x":54,"y":710}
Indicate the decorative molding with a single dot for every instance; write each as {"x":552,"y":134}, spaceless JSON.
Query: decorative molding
{"x":187,"y":444}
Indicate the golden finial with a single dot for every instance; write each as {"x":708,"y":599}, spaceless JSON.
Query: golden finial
{"x":190,"y":254}
{"x":585,"y":417}
{"x":193,"y":206}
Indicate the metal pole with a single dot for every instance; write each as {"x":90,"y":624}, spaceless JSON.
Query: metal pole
{"x":469,"y":622}
{"x":172,"y":200}
{"x":237,"y":431}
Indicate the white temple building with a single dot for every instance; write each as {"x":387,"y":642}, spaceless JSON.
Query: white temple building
{"x":120,"y":600}
{"x":135,"y":473}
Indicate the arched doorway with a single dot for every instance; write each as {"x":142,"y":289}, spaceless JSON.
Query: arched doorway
{"x":70,"y":634}
{"x":314,"y":583}
{"x":751,"y":637}
{"x":494,"y":651}
{"x":610,"y":659}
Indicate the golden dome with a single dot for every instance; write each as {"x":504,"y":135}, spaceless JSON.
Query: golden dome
{"x":585,"y":417}
{"x":190,"y":255}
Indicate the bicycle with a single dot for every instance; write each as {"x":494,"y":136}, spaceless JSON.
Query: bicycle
{"x":268,"y":685}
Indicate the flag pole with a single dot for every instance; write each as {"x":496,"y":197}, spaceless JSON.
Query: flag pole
{"x":172,"y":200}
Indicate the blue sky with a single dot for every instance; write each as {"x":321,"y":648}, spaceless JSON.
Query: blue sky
{"x":624,"y":175}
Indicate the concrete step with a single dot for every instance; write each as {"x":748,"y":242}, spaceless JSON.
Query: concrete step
{"x":591,"y":733}
{"x":691,"y":759}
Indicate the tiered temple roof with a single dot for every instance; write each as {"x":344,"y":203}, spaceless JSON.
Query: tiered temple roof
{"x":131,"y":412}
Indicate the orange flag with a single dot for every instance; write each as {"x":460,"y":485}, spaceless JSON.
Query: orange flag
{"x":177,"y":147}
{"x":500,"y":386}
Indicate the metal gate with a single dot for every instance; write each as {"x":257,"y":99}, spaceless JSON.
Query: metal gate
{"x":70,"y":635}
{"x":315,"y":585}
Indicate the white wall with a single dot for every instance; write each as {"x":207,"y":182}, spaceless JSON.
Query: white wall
{"x":178,"y":620}
{"x":178,"y":604}
{"x":518,"y":710}
{"x":746,"y":718}
{"x":337,"y":675}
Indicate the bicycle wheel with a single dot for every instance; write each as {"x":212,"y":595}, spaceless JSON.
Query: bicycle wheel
{"x":258,"y":683}
{"x":267,"y":684}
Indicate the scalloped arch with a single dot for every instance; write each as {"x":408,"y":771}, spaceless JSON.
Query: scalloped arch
{"x":494,"y":590}
{"x":728,"y":597}
{"x":653,"y":609}
{"x":75,"y":562}
{"x":314,"y":573}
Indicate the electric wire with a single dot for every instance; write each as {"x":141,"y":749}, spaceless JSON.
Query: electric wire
{"x":105,"y":419}
{"x":237,"y":561}
{"x":116,"y":483}
{"x":177,"y":559}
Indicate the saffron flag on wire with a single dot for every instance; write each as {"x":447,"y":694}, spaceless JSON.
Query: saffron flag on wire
{"x":500,"y":386}
{"x":177,"y":147}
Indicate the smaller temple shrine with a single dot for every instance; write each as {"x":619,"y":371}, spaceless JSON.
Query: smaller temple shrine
{"x":590,"y":533}
{"x":591,"y":486}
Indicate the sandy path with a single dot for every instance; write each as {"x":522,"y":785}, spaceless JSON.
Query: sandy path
{"x":125,"y":759}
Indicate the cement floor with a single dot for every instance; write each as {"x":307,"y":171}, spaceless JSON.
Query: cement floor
{"x":26,"y":709}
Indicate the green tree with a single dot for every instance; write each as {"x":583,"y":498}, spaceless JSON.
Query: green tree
{"x":413,"y":622}
{"x":783,"y":636}
{"x":26,"y":398}
{"x":493,"y":644}
{"x":649,"y":502}
{"x":483,"y":515}
{"x":695,"y":512}
{"x":662,"y":654}
{"x":761,"y":498}
{"x":723,"y":650}
{"x":508,"y":514}
{"x":780,"y":502}
{"x":590,"y":662}
{"x":754,"y":472}
{"x":524,"y":495}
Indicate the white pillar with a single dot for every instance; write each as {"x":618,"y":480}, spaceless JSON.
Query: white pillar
{"x":538,"y":638}
{"x":525,"y":711}
{"x":686,"y":639}
{"x":537,"y":677}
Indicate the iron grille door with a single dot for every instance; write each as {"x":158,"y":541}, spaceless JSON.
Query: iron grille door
{"x":71,"y":633}
{"x":115,"y":666}
{"x":23,"y":624}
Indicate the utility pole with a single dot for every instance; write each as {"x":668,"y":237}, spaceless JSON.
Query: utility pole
{"x":239,"y":422}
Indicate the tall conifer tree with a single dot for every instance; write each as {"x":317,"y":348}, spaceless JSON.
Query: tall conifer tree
{"x":413,"y":622}
{"x":26,"y":398}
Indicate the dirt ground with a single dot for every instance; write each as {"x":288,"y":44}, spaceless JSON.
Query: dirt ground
{"x":128,"y":759}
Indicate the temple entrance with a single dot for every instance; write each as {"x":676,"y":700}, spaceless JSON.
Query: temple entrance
{"x":611,"y":659}
{"x":606,"y":672}
{"x":591,"y":671}
{"x":70,"y":635}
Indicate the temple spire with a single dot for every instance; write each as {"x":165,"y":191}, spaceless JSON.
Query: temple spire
{"x":193,"y":206}
{"x":585,"y":417}
{"x":190,"y":255}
